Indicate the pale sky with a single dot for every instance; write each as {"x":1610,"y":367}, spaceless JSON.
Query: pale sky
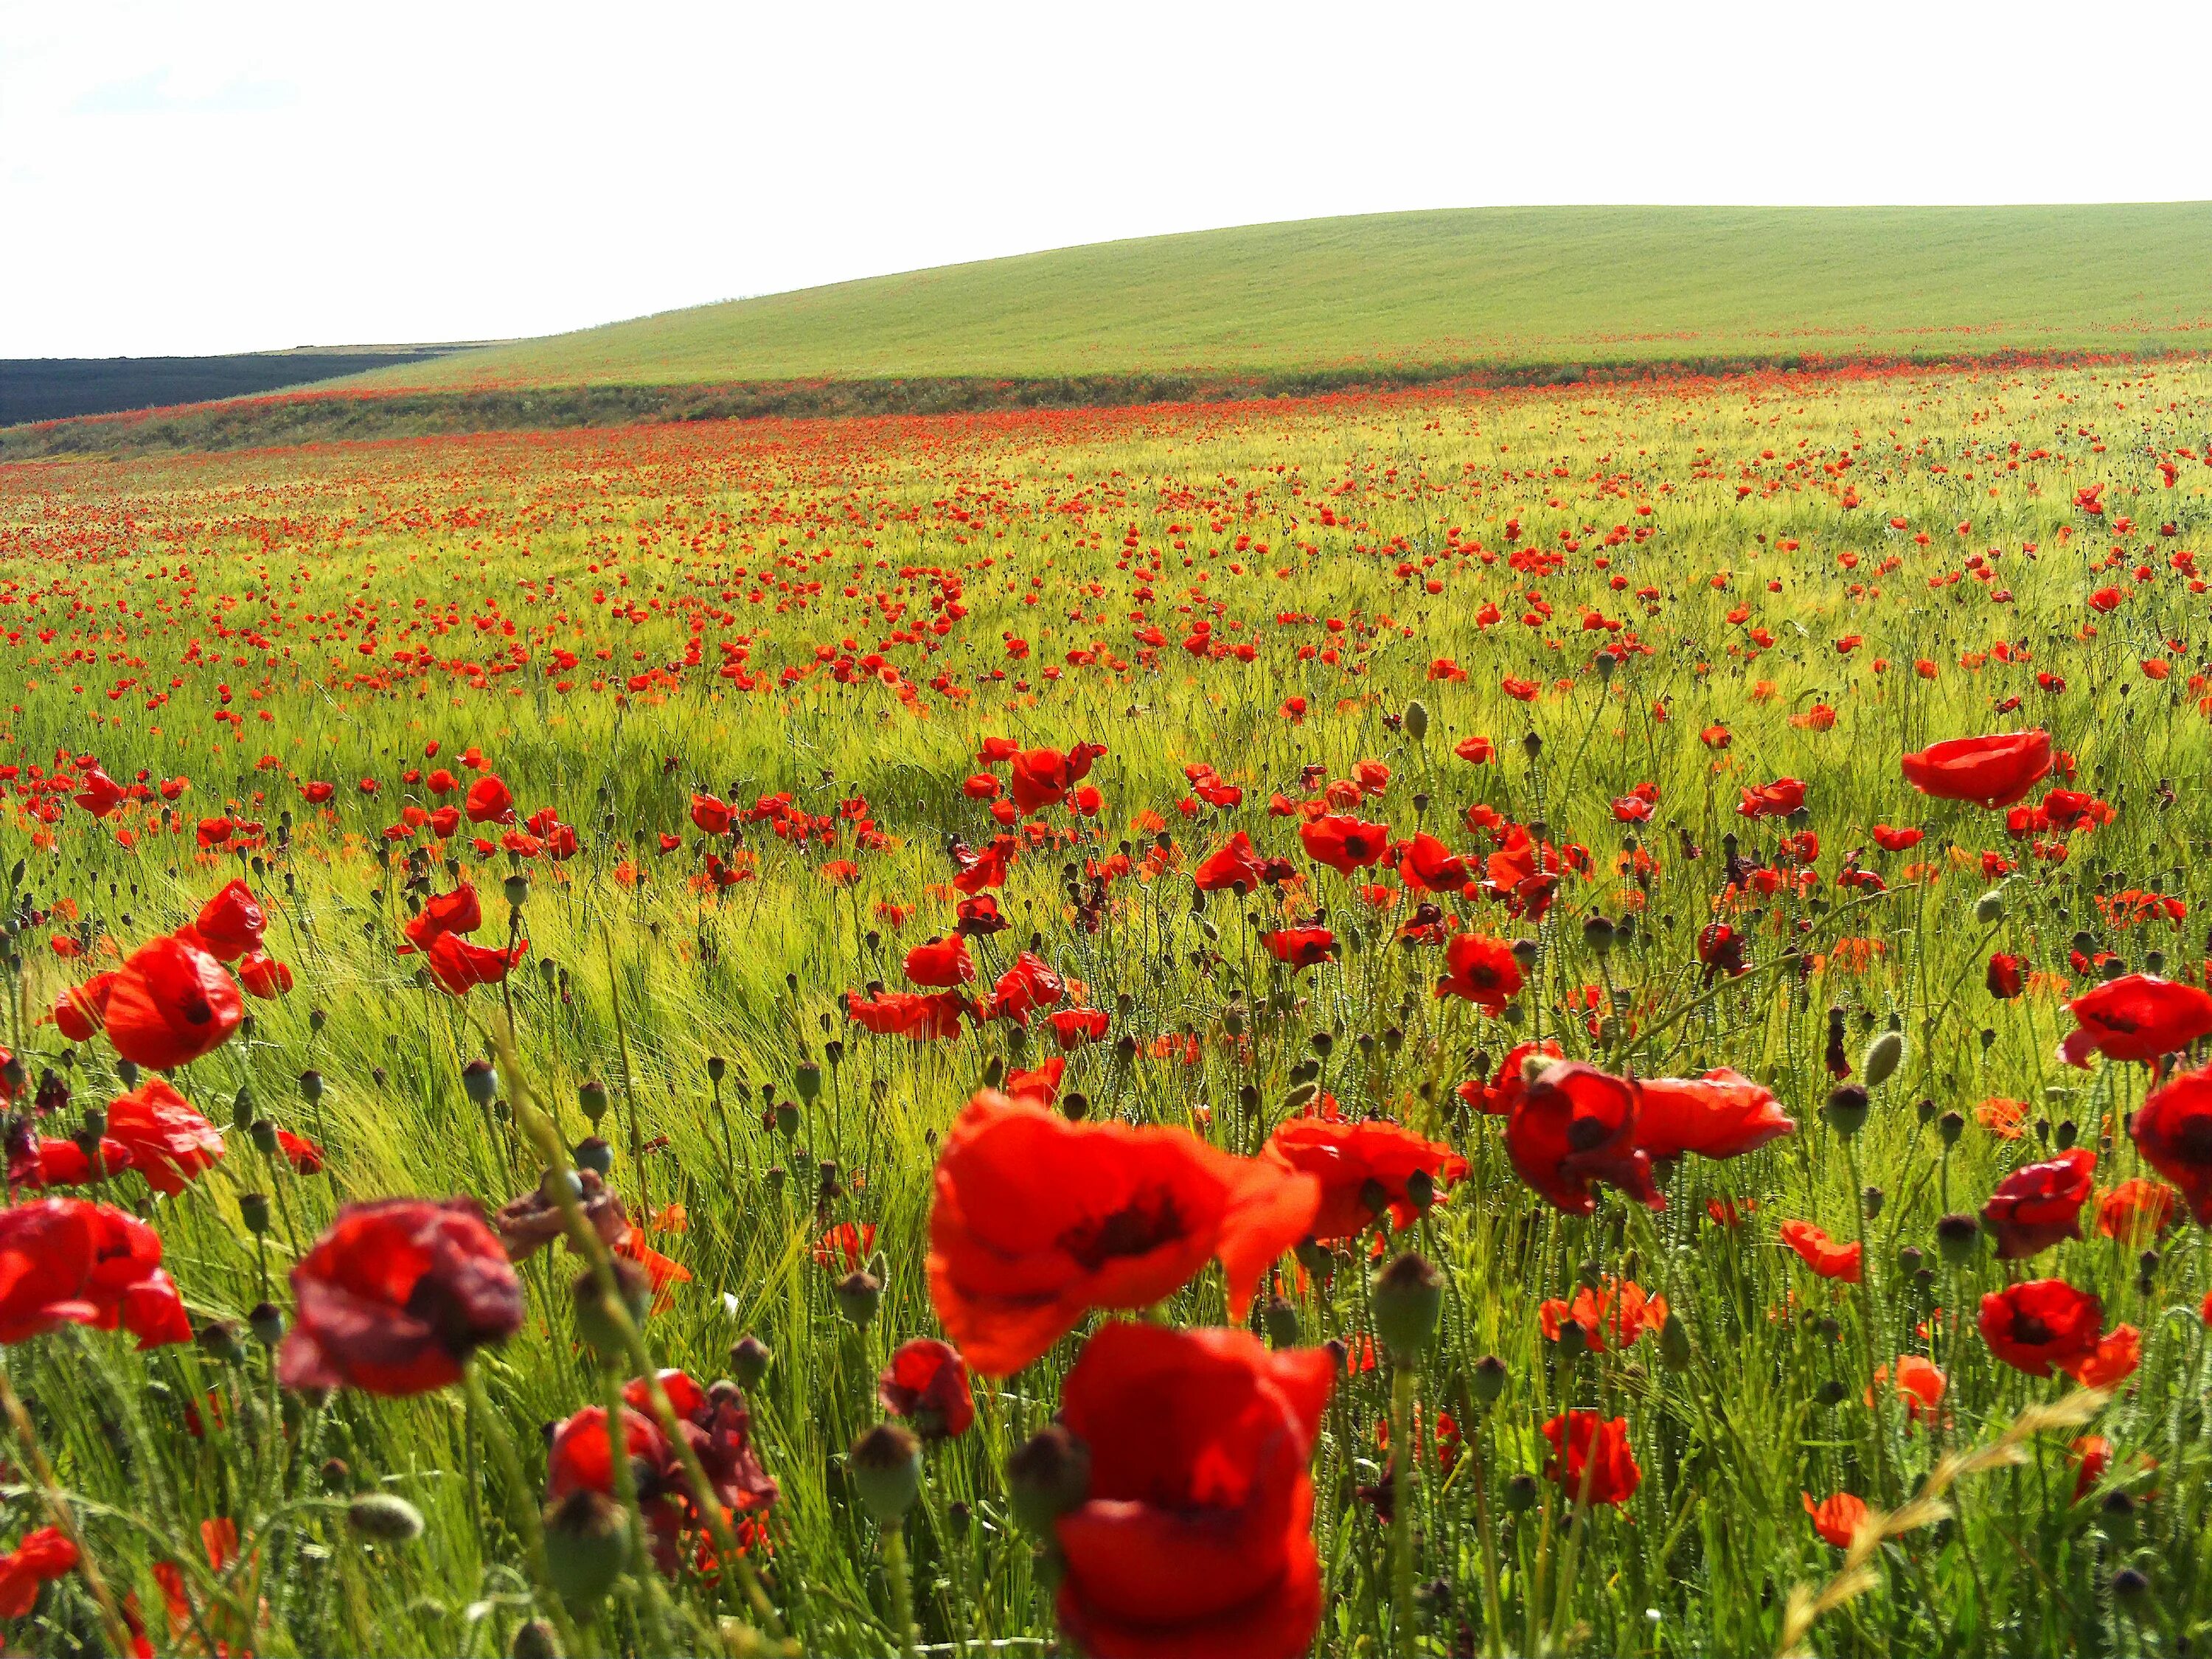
{"x":222,"y":175}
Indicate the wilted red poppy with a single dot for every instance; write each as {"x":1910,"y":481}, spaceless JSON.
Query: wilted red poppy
{"x":489,"y":802}
{"x":395,"y":1296}
{"x":1828,"y":1257}
{"x":1196,"y":1534}
{"x":1837,"y":1519}
{"x":2039,"y":1203}
{"x":926,"y":1384}
{"x":170,"y":1003}
{"x":1572,"y":1125}
{"x":2135,"y":1016}
{"x":1037,"y":1220}
{"x":67,"y":1260}
{"x":1363,"y":1168}
{"x":1778,"y":799}
{"x":1992,"y":772}
{"x":169,"y":1141}
{"x":1345,"y":843}
{"x":2172,"y":1130}
{"x":1722,"y":1115}
{"x":1482,"y":969}
{"x":2042,"y":1325}
{"x":1586,"y":1447}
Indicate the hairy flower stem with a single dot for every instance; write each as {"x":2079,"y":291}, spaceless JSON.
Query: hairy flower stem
{"x":1402,"y":1512}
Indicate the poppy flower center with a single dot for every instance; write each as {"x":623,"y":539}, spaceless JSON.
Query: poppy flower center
{"x":1587,"y":1134}
{"x":196,"y":1010}
{"x":2027,"y":1329}
{"x":2195,"y":1140}
{"x":1140,"y":1227}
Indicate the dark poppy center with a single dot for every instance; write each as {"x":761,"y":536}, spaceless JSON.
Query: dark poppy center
{"x":1587,"y":1134}
{"x":1140,"y":1227}
{"x":2027,"y":1329}
{"x":440,"y":1304}
{"x":2194,"y":1142}
{"x":196,"y":1010}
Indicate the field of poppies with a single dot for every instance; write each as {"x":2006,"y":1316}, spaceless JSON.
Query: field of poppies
{"x":1451,"y":1023}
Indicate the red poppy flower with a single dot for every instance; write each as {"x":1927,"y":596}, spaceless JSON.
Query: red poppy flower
{"x":2039,"y":1203}
{"x":1499,"y":1096}
{"x":710,"y":816}
{"x":1722,"y":1115}
{"x":1778,"y":799}
{"x":170,"y":1003}
{"x":2137,"y":1210}
{"x":80,"y":1012}
{"x":457,"y":912}
{"x":1237,"y":860}
{"x":1837,"y":1519}
{"x":1196,"y":1536}
{"x":1992,"y":772}
{"x":37,"y":1162}
{"x":1585,"y":1446}
{"x":1037,"y":1220}
{"x":489,"y":802}
{"x":1481,"y":970}
{"x":1363,"y":1168}
{"x":230,"y":924}
{"x":2172,"y":1130}
{"x":43,"y":1556}
{"x":1475,"y":751}
{"x":1300,"y":947}
{"x":1073,"y":1027}
{"x":1027,"y":985}
{"x":264,"y":976}
{"x":926,"y":1384}
{"x":1427,"y":866}
{"x":315,"y":794}
{"x":301,"y":1154}
{"x":2135,"y":1016}
{"x":845,"y":1247}
{"x":2007,"y":975}
{"x":66,"y":1260}
{"x":1037,"y":1083}
{"x":1345,"y":843}
{"x":456,"y":965}
{"x":1897,"y":841}
{"x":907,"y":1013}
{"x":940,"y":962}
{"x":2042,"y":1325}
{"x":1828,"y":1257}
{"x":97,"y":793}
{"x":1575,"y":1125}
{"x":395,"y":1296}
{"x":169,"y":1142}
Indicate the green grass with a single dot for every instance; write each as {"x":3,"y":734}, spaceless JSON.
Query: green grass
{"x":1490,"y":285}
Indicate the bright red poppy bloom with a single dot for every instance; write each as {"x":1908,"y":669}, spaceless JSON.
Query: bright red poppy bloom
{"x":2007,"y":976}
{"x":2135,"y":1016}
{"x":1363,"y":1168}
{"x":1073,"y":1027}
{"x":1828,"y":1257}
{"x":1481,"y":970}
{"x":926,"y":1384}
{"x":457,"y":912}
{"x":940,"y":962}
{"x":1427,"y":866}
{"x":80,"y":1012}
{"x":1722,"y":1115}
{"x":907,"y":1013}
{"x":457,"y":964}
{"x":1837,"y":1519}
{"x":2042,"y":1325}
{"x":169,"y":1141}
{"x":1497,"y":1095}
{"x":1026,"y":987}
{"x":2172,"y":1130}
{"x":1897,"y":841}
{"x":170,"y":1003}
{"x":43,"y":1556}
{"x":490,"y":800}
{"x":2137,"y":1210}
{"x":1037,"y":1220}
{"x":2039,"y":1203}
{"x":1238,"y":861}
{"x":1778,"y":799}
{"x":66,"y":1260}
{"x":97,"y":793}
{"x":230,"y":924}
{"x":264,"y":976}
{"x":1587,"y":1447}
{"x":1992,"y":772}
{"x":39,"y":1161}
{"x":395,"y":1296}
{"x":1345,"y":843}
{"x":710,"y":816}
{"x":1575,"y":1125}
{"x":1196,"y":1536}
{"x":1300,"y":947}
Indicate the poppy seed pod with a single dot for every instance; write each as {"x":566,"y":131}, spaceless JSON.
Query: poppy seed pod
{"x":588,"y":1545}
{"x":1846,"y":1110}
{"x":253,"y":1210}
{"x":591,"y":1100}
{"x":750,"y":1358}
{"x":1882,"y":1058}
{"x":480,"y":1081}
{"x":263,"y":1134}
{"x":596,"y":1321}
{"x":885,"y":1468}
{"x":858,"y":1295}
{"x":383,"y":1518}
{"x":1047,"y":1475}
{"x":1957,"y":1238}
{"x":1521,"y":1493}
{"x":595,"y":1155}
{"x":534,"y":1639}
{"x":1488,"y":1378}
{"x":1282,"y":1322}
{"x":1408,"y":1296}
{"x":266,"y":1320}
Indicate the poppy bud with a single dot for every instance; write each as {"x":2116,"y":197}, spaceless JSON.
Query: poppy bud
{"x":1872,"y":1200}
{"x":1526,"y":951}
{"x":242,"y":1109}
{"x":588,"y":1545}
{"x":1846,"y":1110}
{"x":1882,"y":1058}
{"x":253,"y":1210}
{"x":1488,"y":1379}
{"x":1989,"y":909}
{"x":1532,"y":745}
{"x":1831,"y":1393}
{"x":750,"y":1358}
{"x":1233,"y":1019}
{"x":857,"y":1295}
{"x":481,"y":1082}
{"x":1282,"y":1321}
{"x":786,"y":1118}
{"x":885,"y":1468}
{"x":1674,"y":1343}
{"x":595,"y":1321}
{"x":808,"y":1080}
{"x":1605,"y":662}
{"x":126,"y":1073}
{"x":1407,"y":1297}
{"x":383,"y":1518}
{"x":1950,"y":1127}
{"x":2131,"y":1589}
{"x":335,"y":1476}
{"x":218,"y":1339}
{"x":1417,"y":719}
{"x":1047,"y":1475}
{"x":1075,"y":1106}
{"x":1597,"y":934}
{"x":717,"y":1067}
{"x":95,"y":1122}
{"x":591,"y":1100}
{"x":266,"y":1320}
{"x":1421,"y":1191}
{"x":263,"y":1134}
{"x":1317,"y":1259}
{"x":1573,"y":1340}
{"x":1957,"y":1237}
{"x":534,"y":1639}
{"x":595,"y":1155}
{"x":1521,"y":1493}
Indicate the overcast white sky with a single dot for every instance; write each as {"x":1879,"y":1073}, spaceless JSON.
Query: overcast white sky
{"x":221,"y":175}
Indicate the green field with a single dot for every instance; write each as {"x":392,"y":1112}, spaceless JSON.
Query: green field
{"x":1477,"y":286}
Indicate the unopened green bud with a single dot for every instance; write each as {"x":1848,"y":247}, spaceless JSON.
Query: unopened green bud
{"x":1408,"y":1296}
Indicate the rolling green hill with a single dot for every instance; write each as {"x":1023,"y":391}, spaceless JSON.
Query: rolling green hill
{"x":1477,"y":286}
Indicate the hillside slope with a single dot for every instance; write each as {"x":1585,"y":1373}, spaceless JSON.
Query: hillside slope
{"x":1479,"y":286}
